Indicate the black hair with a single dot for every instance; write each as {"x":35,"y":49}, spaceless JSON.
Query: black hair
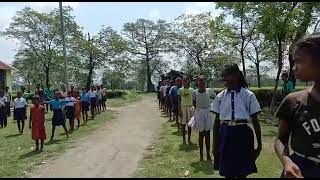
{"x":233,"y":69}
{"x":310,"y":44}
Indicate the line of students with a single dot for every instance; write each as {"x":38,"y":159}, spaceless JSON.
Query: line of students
{"x":233,"y":140}
{"x":63,"y":107}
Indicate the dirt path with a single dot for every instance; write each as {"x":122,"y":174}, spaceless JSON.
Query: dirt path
{"x":113,"y":150}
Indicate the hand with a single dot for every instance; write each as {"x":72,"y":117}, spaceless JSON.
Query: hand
{"x":291,"y":170}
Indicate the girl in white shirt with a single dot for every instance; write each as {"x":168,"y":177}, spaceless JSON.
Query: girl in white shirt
{"x":20,"y":111}
{"x":234,"y":152}
{"x":3,"y":110}
{"x":93,"y":101}
{"x":70,"y":109}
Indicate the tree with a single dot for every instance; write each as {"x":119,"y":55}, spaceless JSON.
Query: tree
{"x":243,"y":14}
{"x":147,"y":39}
{"x":39,"y":34}
{"x":277,"y":24}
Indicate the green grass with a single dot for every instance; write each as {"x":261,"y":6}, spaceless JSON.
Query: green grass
{"x":129,"y":98}
{"x":17,"y":158}
{"x":169,"y":158}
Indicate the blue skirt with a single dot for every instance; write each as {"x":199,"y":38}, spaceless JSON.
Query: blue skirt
{"x":19,"y":114}
{"x":3,"y":114}
{"x":58,"y":118}
{"x":70,"y":112}
{"x":308,"y":168}
{"x":93,"y":102}
{"x":236,"y":150}
{"x":85,"y":106}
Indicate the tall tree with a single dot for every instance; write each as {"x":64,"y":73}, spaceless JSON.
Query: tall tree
{"x":147,"y":39}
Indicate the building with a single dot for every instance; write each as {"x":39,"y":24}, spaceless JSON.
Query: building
{"x":5,"y":75}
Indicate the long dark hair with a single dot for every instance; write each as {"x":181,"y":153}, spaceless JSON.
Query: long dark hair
{"x":233,"y":70}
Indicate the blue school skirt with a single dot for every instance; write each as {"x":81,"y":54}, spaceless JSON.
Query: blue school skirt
{"x":58,"y":118}
{"x":308,"y":168}
{"x":93,"y":102}
{"x":85,"y":106}
{"x":236,"y":150}
{"x":70,"y":112}
{"x":19,"y":114}
{"x":3,"y":114}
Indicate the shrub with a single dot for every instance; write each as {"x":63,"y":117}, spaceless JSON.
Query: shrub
{"x":115,"y":94}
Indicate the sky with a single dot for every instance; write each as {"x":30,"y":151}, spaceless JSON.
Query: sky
{"x":93,"y":15}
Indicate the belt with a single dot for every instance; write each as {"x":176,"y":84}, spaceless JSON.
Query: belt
{"x":234,"y":122}
{"x":313,"y":159}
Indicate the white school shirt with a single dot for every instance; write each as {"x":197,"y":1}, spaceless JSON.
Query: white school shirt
{"x":92,"y":94}
{"x":3,"y":101}
{"x":204,"y":99}
{"x":19,"y":103}
{"x":163,"y":90}
{"x":245,"y":104}
{"x":70,"y":99}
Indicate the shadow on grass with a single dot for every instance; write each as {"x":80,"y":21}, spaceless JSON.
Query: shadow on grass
{"x":203,"y":166}
{"x":29,"y":154}
{"x":188,"y":148}
{"x":53,"y":142}
{"x":12,"y":135}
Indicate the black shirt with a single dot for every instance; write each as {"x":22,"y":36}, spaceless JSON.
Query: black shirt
{"x":302,"y":114}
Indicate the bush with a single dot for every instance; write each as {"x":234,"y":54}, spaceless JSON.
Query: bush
{"x":264,"y":95}
{"x":115,"y":94}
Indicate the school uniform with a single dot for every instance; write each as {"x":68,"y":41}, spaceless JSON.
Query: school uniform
{"x":302,"y":114}
{"x":8,"y":103}
{"x":186,"y":104}
{"x":57,"y":106}
{"x":19,"y":109}
{"x":236,"y":139}
{"x":173,"y":93}
{"x":93,"y":98}
{"x":202,"y":119}
{"x":3,"y":112}
{"x":85,"y":102}
{"x":70,"y":109}
{"x":99,"y":94}
{"x":168,"y":101}
{"x":104,"y":95}
{"x":38,"y":129}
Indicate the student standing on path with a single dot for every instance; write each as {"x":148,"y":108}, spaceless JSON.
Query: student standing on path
{"x":299,"y":116}
{"x":70,"y":110}
{"x":20,"y":111}
{"x":85,"y":103}
{"x":233,"y":145}
{"x":104,"y":98}
{"x":99,"y":94}
{"x":202,"y":119}
{"x":36,"y":122}
{"x":174,"y":100}
{"x":3,"y":110}
{"x":93,"y":101}
{"x":185,"y":101}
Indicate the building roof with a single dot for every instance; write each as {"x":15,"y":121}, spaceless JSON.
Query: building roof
{"x":5,"y":66}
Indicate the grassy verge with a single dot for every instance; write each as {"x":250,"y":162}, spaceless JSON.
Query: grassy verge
{"x":169,"y":158}
{"x":16,"y":151}
{"x":129,"y":98}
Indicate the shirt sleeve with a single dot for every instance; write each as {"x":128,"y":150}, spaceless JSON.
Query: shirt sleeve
{"x":254,"y":105}
{"x":179,"y":92}
{"x":215,"y":106}
{"x":285,"y":109}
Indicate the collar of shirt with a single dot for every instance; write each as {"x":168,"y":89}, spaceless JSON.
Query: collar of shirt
{"x":237,"y":90}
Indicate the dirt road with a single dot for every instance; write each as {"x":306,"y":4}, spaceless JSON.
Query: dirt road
{"x":113,"y":150}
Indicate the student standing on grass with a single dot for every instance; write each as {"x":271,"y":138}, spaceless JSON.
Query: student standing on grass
{"x":202,"y":119}
{"x":185,"y":101}
{"x":70,"y":110}
{"x":287,"y":84}
{"x":168,"y":99}
{"x":49,"y":96}
{"x":162,"y":95}
{"x":58,"y":119}
{"x":3,"y":110}
{"x":85,"y":103}
{"x":104,"y":98}
{"x":174,"y":100}
{"x":8,"y":103}
{"x":299,"y":116}
{"x":36,"y":122}
{"x":99,"y":97}
{"x":233,"y":145}
{"x":77,"y":107}
{"x":93,"y":101}
{"x":20,"y":111}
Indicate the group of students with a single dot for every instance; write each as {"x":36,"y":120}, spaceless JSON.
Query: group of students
{"x":233,"y":140}
{"x":64,"y":105}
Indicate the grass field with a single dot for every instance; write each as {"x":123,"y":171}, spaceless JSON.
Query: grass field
{"x":16,"y":151}
{"x":167,"y":157}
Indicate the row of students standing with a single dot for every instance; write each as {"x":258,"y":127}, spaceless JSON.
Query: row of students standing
{"x":63,"y":106}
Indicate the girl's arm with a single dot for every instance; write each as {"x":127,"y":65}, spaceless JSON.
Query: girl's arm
{"x":281,"y":148}
{"x":30,"y":119}
{"x":257,"y":130}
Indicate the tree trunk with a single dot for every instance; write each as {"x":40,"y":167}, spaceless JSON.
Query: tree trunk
{"x":258,"y":74}
{"x":47,"y":77}
{"x":242,"y":48}
{"x":280,"y":64}
{"x":89,"y":77}
{"x":150,"y":87}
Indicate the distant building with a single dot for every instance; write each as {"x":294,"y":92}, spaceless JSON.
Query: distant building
{"x":5,"y":75}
